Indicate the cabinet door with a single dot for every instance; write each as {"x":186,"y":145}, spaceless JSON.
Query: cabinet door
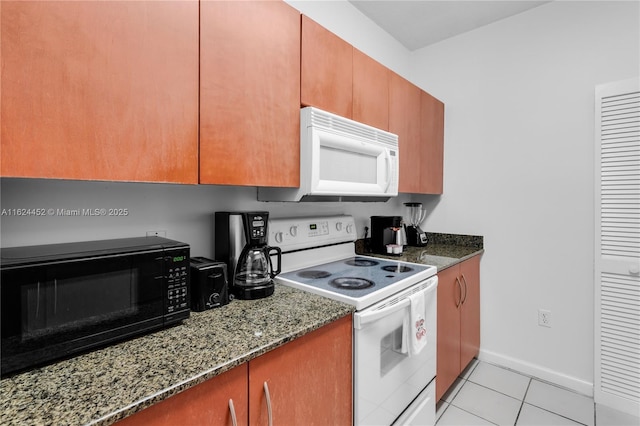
{"x":470,"y":311}
{"x":404,"y":120}
{"x":100,"y":90}
{"x":309,"y":379}
{"x":326,"y":70}
{"x":203,"y":404}
{"x":249,"y":93}
{"x":370,"y":91}
{"x":448,"y":347}
{"x":432,"y":147}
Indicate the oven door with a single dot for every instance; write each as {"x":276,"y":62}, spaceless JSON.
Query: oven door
{"x":387,"y":376}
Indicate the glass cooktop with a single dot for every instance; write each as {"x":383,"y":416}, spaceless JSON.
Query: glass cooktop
{"x":358,"y":280}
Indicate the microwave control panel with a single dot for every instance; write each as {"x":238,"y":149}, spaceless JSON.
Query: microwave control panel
{"x":177,"y":282}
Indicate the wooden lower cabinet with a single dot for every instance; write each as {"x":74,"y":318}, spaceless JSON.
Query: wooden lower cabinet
{"x":309,"y":382}
{"x":204,"y":404}
{"x":458,"y":321}
{"x":470,"y":311}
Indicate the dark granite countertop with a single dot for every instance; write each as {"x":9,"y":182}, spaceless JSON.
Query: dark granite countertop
{"x":442,"y":250}
{"x":106,"y":385}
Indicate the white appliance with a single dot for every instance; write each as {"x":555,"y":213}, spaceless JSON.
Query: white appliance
{"x":341,"y":160}
{"x":393,"y":382}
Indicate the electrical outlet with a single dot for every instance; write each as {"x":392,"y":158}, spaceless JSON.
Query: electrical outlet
{"x":157,"y":234}
{"x":544,"y":318}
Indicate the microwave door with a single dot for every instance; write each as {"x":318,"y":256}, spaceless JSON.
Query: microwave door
{"x":348,"y":166}
{"x":63,"y":308}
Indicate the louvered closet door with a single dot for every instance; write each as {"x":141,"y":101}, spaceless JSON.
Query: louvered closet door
{"x":617,"y":269}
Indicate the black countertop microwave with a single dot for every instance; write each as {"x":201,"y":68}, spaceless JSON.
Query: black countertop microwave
{"x":59,"y":300}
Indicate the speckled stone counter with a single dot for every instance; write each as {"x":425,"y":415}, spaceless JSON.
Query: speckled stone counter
{"x":106,"y":385}
{"x":442,"y":250}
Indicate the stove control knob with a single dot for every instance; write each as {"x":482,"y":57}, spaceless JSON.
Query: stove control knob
{"x":293,"y":231}
{"x":339,"y":226}
{"x":349,"y":229}
{"x":279,"y":237}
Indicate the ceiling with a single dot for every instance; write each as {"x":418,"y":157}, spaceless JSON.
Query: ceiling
{"x":419,"y":23}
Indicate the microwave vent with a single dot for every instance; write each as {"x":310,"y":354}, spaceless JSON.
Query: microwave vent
{"x":335,"y":123}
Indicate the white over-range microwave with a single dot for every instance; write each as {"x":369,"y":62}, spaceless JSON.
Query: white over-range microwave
{"x":341,"y":160}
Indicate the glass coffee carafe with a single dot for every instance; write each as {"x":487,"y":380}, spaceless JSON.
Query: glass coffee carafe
{"x":241,"y":241}
{"x":255,"y":268}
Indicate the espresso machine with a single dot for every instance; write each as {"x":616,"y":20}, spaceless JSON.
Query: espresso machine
{"x":241,"y":242}
{"x":387,"y":231}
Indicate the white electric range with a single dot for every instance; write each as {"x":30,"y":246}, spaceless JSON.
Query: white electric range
{"x":393,"y":382}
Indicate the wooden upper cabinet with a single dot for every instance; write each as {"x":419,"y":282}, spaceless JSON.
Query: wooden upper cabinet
{"x":326,"y":70}
{"x":203,"y":404}
{"x":432,"y":154}
{"x":418,"y":120}
{"x":404,"y":120}
{"x":100,"y":90}
{"x":370,"y":91}
{"x":249,"y":93}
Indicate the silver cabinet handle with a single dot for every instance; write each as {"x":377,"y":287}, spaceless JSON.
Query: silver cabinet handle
{"x":465,"y":289}
{"x":232,"y":410}
{"x":266,"y":392}
{"x":459,"y":302}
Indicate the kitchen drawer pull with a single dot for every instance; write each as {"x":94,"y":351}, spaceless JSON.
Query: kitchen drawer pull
{"x":466,"y":289}
{"x":269,"y":413}
{"x":232,"y":410}
{"x":459,"y":302}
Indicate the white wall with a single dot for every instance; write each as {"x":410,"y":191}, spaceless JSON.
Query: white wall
{"x":519,"y":169}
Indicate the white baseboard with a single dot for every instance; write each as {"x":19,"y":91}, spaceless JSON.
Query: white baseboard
{"x":538,"y":372}
{"x":618,"y":403}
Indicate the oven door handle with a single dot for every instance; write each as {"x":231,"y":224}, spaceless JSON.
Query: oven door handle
{"x":394,"y":305}
{"x":360,"y":320}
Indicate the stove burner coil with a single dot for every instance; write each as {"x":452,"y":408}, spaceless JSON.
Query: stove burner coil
{"x":351,"y":283}
{"x":397,"y":268}
{"x":361,"y":262}
{"x":313,"y":274}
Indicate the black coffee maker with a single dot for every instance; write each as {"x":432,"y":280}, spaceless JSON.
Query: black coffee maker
{"x":386,"y":230}
{"x":241,"y":241}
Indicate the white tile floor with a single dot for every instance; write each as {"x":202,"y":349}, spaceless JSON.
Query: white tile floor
{"x":486,"y":394}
